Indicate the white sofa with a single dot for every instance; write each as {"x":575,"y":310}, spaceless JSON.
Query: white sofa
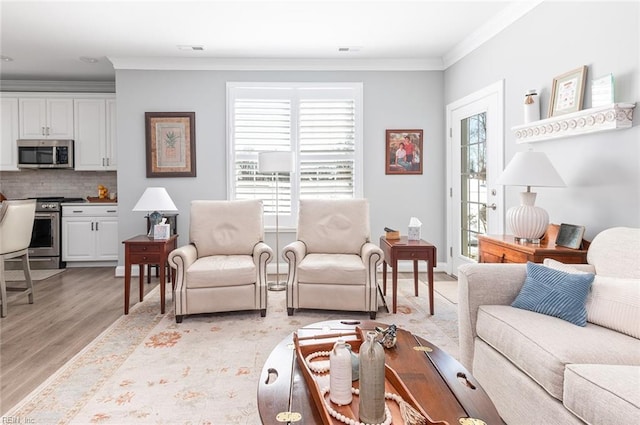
{"x":539,"y":369}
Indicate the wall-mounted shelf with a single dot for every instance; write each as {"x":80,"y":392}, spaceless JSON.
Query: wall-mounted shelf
{"x":603,"y":118}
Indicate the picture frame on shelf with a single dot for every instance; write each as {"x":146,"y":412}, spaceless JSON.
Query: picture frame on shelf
{"x":170,"y":144}
{"x":570,"y":236}
{"x":602,"y":91}
{"x":404,"y":151}
{"x":567,"y":92}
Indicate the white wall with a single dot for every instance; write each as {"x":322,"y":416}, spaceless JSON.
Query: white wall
{"x":392,"y":100}
{"x":602,"y":171}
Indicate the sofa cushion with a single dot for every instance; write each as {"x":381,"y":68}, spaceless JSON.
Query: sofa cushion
{"x":614,"y":253}
{"x":555,"y":293}
{"x":221,"y":270}
{"x":332,"y":268}
{"x":612,"y":302}
{"x":542,"y":345}
{"x":603,"y":394}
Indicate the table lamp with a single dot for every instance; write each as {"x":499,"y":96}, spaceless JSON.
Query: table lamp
{"x":527,"y":222}
{"x":155,"y":199}
{"x":276,"y":162}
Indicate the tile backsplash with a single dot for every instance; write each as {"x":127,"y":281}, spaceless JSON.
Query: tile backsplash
{"x":68,"y":183}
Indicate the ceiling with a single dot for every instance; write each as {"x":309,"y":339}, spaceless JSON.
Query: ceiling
{"x":44,"y":40}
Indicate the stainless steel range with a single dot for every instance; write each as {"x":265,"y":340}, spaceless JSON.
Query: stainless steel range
{"x":46,"y":240}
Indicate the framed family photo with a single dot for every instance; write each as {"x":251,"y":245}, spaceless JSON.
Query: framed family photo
{"x":567,"y":92}
{"x":171,"y":144}
{"x":404,"y":152}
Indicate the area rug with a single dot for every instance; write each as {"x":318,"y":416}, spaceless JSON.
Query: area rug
{"x":448,"y":289}
{"x":18,"y":275}
{"x":147,"y":369}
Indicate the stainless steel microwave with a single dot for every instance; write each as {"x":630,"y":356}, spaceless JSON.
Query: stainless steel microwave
{"x":45,"y":153}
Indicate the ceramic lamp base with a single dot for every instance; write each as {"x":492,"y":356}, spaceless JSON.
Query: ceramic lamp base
{"x":526,"y":221}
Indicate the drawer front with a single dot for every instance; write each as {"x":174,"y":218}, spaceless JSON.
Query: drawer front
{"x":133,"y":248}
{"x":82,"y":210}
{"x":149,"y":258}
{"x":403,"y":254}
{"x":496,"y":254}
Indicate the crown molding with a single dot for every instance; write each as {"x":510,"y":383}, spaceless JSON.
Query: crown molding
{"x":489,"y":30}
{"x":57,"y":86}
{"x":276,"y":64}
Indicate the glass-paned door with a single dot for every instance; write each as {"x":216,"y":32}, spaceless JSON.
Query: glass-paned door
{"x":475,"y":159}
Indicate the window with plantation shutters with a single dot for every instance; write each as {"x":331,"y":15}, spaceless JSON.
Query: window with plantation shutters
{"x":321,"y":124}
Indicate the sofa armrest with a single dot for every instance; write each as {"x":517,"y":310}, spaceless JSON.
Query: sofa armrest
{"x":483,"y":284}
{"x":372,"y":257}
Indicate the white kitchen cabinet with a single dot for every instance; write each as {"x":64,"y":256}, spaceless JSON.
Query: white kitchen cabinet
{"x":95,"y":132}
{"x":89,"y":232}
{"x":8,"y":134}
{"x":46,"y":118}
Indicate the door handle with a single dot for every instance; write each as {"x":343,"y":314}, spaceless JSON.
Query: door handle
{"x":492,"y":206}
{"x":92,"y":226}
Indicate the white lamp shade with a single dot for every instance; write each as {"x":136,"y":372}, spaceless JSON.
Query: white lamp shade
{"x":530,"y":169}
{"x":155,"y":199}
{"x":275,"y":162}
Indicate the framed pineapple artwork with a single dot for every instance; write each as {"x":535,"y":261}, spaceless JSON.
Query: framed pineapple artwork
{"x":171,"y":144}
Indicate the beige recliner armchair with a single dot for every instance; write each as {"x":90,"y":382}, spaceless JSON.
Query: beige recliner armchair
{"x":332,"y":265}
{"x":16,"y":227}
{"x":224,"y":267}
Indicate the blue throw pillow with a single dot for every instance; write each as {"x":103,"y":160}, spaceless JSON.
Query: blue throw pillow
{"x":555,"y":293}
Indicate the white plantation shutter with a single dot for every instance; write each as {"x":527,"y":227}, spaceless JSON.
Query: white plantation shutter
{"x":321,"y":124}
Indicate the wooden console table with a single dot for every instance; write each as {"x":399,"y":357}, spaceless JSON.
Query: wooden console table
{"x":143,"y":250}
{"x":505,"y":249}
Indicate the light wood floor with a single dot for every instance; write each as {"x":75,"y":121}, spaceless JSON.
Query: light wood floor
{"x":70,"y":310}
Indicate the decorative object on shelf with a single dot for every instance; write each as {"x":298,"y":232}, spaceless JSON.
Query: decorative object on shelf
{"x":355,"y":364}
{"x":171,"y":144}
{"x":531,"y":106}
{"x":276,"y":163}
{"x":603,"y":118}
{"x":527,"y":222}
{"x":404,"y":152}
{"x":567,"y":92}
{"x":387,"y":336}
{"x":154,"y":200}
{"x":103,"y":192}
{"x":602,"y":91}
{"x":570,"y":236}
{"x":340,"y":374}
{"x":372,"y":370}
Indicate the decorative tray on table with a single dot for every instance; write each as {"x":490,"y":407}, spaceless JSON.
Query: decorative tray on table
{"x":306,"y":346}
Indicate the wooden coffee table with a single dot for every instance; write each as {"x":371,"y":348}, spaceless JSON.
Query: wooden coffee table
{"x":441,"y":385}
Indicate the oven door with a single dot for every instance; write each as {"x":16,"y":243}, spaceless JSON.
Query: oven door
{"x":45,"y":239}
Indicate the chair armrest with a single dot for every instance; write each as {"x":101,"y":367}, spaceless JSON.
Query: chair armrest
{"x":483,"y":284}
{"x":372,"y":257}
{"x":262,"y":254}
{"x":294,"y":253}
{"x":181,"y":258}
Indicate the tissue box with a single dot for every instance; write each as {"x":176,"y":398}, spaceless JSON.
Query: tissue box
{"x":414,"y":229}
{"x":161,"y":231}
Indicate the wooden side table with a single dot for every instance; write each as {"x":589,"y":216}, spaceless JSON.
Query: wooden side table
{"x":505,"y":249}
{"x":143,"y":250}
{"x":404,"y":249}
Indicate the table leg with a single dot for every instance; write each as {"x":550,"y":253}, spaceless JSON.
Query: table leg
{"x":415,"y":277}
{"x":127,"y":283}
{"x":384,"y":278}
{"x":395,"y":285}
{"x":431,"y":283}
{"x":141,"y":266}
{"x":163,"y":283}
